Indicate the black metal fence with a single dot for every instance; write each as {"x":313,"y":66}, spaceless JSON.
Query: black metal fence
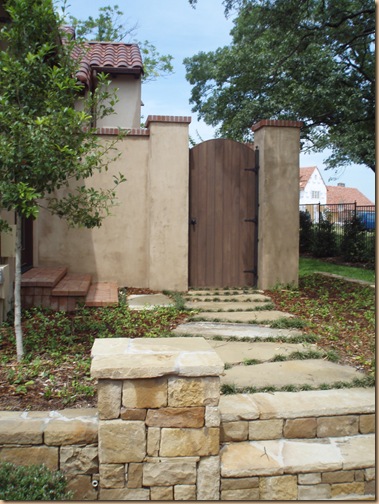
{"x":346,"y":230}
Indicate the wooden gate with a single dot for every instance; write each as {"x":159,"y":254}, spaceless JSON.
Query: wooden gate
{"x":223,"y":213}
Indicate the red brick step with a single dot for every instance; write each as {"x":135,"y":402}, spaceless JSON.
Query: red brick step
{"x":43,"y":277}
{"x":73,"y":285}
{"x":61,"y":291}
{"x":102,"y":294}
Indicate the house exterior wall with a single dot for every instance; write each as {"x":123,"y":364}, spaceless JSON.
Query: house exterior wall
{"x":128,"y":108}
{"x":278,"y":228}
{"x":144,"y":243}
{"x":314,"y":191}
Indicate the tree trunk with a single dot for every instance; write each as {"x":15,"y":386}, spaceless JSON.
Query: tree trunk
{"x":17,"y":291}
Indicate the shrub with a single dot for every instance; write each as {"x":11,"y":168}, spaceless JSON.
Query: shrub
{"x":20,"y":483}
{"x":306,"y":231}
{"x":324,"y":242}
{"x":354,"y":245}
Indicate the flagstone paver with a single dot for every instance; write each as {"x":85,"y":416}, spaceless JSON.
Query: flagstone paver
{"x":227,"y":306}
{"x":235,"y":331}
{"x":254,"y":298}
{"x":313,"y":372}
{"x":148,"y":301}
{"x":214,"y":292}
{"x":238,"y":352}
{"x":256,"y":317}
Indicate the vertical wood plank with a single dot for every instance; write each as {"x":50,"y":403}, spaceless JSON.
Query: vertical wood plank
{"x":221,"y":198}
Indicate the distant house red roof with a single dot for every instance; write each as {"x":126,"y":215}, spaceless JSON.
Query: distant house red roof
{"x":305,"y":175}
{"x":109,"y":57}
{"x":339,"y":194}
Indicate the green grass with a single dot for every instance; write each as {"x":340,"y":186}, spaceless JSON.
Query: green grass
{"x":307,"y":266}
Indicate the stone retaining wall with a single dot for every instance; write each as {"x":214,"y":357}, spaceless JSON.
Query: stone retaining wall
{"x":162,"y":432}
{"x":65,"y":440}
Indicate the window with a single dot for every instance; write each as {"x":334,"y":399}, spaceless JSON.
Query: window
{"x":315,"y":194}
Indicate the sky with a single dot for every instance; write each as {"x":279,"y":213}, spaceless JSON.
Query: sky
{"x":175,"y":28}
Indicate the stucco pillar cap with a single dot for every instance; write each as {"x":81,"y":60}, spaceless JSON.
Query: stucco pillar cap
{"x":278,"y":123}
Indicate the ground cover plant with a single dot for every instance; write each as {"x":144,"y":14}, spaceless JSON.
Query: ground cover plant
{"x":34,"y":483}
{"x":55,"y":373}
{"x":340,"y":313}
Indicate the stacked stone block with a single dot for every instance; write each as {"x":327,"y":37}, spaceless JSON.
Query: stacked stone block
{"x":309,"y":446}
{"x":162,"y":432}
{"x":65,"y":441}
{"x":159,"y":424}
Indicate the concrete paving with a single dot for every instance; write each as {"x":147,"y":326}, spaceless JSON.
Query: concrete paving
{"x":295,"y":372}
{"x":239,"y":331}
{"x":257,"y":317}
{"x":238,"y":352}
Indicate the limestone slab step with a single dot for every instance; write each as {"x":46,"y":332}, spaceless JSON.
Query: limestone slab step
{"x":102,"y":294}
{"x":148,"y":301}
{"x":304,"y":404}
{"x":243,"y":317}
{"x":216,"y":292}
{"x":230,"y":330}
{"x":287,"y":456}
{"x":72,"y":284}
{"x":43,"y":277}
{"x":241,"y":298}
{"x":227,"y":306}
{"x":236,"y":352}
{"x":313,"y":372}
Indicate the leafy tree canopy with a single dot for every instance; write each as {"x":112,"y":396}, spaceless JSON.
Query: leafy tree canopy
{"x":312,"y":60}
{"x":109,"y":26}
{"x":47,"y":146}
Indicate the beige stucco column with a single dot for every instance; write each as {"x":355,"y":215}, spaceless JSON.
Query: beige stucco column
{"x":278,"y":142}
{"x":168,"y":172}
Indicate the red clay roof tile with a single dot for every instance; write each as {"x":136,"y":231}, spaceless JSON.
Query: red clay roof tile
{"x":305,"y":175}
{"x":114,"y":57}
{"x":338,"y":194}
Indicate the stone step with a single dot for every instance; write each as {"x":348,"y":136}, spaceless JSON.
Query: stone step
{"x":243,"y":317}
{"x":304,"y":404}
{"x":234,"y":353}
{"x":102,"y":294}
{"x":221,"y":306}
{"x":254,"y":298}
{"x":43,"y":277}
{"x":148,"y":301}
{"x":217,"y":292}
{"x":312,"y":372}
{"x":72,"y":284}
{"x":228,"y":330}
{"x":292,"y":456}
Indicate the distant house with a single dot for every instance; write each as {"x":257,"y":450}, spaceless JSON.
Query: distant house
{"x":340,"y":194}
{"x":339,"y":201}
{"x":312,"y":186}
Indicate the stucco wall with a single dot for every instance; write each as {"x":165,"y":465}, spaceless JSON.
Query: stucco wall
{"x":278,"y":247}
{"x":128,"y":108}
{"x":144,"y":243}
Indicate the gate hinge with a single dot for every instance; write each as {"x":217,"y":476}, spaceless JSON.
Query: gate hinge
{"x":253,"y":271}
{"x":251,"y":220}
{"x":251,"y":169}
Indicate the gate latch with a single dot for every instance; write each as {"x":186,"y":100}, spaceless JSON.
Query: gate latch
{"x":193,"y":222}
